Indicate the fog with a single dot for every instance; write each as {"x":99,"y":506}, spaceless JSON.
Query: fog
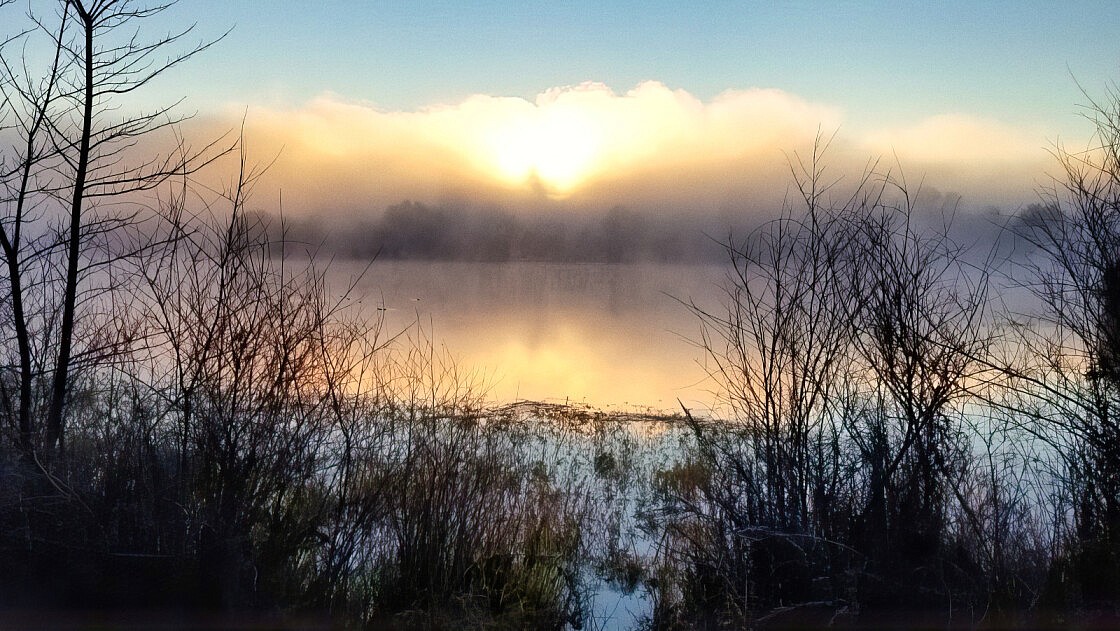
{"x":610,"y":335}
{"x":416,"y":231}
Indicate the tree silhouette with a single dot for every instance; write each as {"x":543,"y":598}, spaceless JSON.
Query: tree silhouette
{"x":76,"y":153}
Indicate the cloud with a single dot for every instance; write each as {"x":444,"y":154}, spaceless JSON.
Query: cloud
{"x":570,"y":146}
{"x":575,"y":148}
{"x":956,"y":139}
{"x":988,"y":160}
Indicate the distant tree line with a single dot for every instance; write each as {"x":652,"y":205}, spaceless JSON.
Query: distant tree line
{"x":420,"y":232}
{"x":415,"y":231}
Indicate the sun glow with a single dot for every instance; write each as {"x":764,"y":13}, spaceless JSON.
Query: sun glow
{"x":570,"y":136}
{"x":556,"y":148}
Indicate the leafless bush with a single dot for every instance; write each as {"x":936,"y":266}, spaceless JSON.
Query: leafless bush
{"x":1062,"y":379}
{"x":852,"y":338}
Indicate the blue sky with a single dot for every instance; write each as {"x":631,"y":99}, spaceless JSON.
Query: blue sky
{"x":878,"y":61}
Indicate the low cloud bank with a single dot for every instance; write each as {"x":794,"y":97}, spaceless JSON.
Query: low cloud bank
{"x":585,"y":173}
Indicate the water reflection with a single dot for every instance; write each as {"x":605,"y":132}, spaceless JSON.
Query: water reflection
{"x":609,"y":335}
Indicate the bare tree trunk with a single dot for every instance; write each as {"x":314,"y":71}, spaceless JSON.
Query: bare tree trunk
{"x":23,"y":342}
{"x":12,"y":243}
{"x":62,"y":368}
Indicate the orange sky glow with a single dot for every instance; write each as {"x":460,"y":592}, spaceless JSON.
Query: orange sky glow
{"x":592,"y":147}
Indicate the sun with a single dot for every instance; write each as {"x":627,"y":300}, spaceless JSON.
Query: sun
{"x":556,"y":148}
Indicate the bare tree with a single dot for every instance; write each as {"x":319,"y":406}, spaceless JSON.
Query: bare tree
{"x":1065,"y":370}
{"x":773,"y":506}
{"x":259,"y":380}
{"x":78,"y":146}
{"x":852,"y":335}
{"x":920,"y":331}
{"x":26,"y":103}
{"x":778,"y":350}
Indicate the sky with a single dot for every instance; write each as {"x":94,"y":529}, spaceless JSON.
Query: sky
{"x":650,"y":104}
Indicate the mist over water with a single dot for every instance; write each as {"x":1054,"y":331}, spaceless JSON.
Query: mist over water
{"x":609,"y":335}
{"x":415,"y":231}
{"x":587,"y":324}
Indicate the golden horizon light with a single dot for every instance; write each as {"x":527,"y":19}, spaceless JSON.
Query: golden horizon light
{"x":587,"y":144}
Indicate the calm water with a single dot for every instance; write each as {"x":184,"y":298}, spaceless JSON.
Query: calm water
{"x":610,"y":335}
